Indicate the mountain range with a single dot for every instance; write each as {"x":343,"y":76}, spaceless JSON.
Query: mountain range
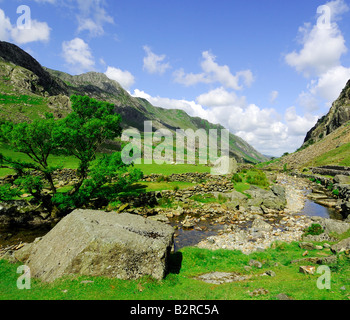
{"x":28,"y":90}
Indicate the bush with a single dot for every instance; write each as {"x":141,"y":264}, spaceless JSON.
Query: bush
{"x":314,"y":230}
{"x":335,"y":192}
{"x":236,"y":178}
{"x":258,"y":179}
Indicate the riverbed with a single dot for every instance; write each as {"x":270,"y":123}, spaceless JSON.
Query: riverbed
{"x":286,"y":227}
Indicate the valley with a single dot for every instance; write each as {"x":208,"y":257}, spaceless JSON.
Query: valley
{"x":255,"y":224}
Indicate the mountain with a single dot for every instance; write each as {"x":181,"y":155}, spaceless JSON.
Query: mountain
{"x":336,"y":117}
{"x":28,"y":90}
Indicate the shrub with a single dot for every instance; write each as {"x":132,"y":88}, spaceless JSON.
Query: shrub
{"x":335,"y":192}
{"x":236,"y":178}
{"x":314,"y":230}
{"x":258,"y":179}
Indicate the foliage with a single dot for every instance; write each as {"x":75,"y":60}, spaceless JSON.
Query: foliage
{"x":236,"y":178}
{"x":80,"y":135}
{"x":335,"y":192}
{"x":258,"y":179}
{"x":314,"y":230}
{"x":7,"y":192}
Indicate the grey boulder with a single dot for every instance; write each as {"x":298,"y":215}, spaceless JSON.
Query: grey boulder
{"x":96,"y":243}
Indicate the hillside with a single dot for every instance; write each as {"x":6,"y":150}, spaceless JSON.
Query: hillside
{"x":28,"y":90}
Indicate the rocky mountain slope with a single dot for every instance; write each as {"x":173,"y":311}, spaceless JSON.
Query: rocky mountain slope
{"x":336,"y":117}
{"x":28,"y":90}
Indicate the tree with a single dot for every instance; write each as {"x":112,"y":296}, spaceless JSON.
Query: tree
{"x":91,"y":124}
{"x":85,"y":130}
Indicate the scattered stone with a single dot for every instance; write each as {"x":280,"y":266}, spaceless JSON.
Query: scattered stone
{"x":307,"y":245}
{"x":283,"y":296}
{"x":255,"y":263}
{"x":307,"y":269}
{"x":270,"y":273}
{"x":259,"y":292}
{"x":222,"y":277}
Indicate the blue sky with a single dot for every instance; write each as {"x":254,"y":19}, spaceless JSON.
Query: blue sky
{"x":264,"y":69}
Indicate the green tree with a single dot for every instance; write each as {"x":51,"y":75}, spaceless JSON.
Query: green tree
{"x":85,"y":130}
{"x":91,"y":124}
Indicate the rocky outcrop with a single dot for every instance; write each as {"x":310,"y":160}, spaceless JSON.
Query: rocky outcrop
{"x":337,"y":116}
{"x":95,"y":243}
{"x":15,"y":55}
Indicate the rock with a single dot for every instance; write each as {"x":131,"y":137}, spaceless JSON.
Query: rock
{"x":255,"y":263}
{"x":307,"y":245}
{"x":341,"y":179}
{"x":341,"y":246}
{"x":261,"y":225}
{"x":123,"y":207}
{"x":330,"y":225}
{"x":270,"y":273}
{"x":307,"y":269}
{"x":267,"y":198}
{"x":283,"y":296}
{"x":96,"y":243}
{"x":259,"y":292}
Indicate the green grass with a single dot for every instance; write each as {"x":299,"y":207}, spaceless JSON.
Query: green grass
{"x":339,"y":156}
{"x":27,"y":106}
{"x":247,"y":178}
{"x":208,"y":198}
{"x":180,"y":283}
{"x":168,"y":169}
{"x":64,"y":161}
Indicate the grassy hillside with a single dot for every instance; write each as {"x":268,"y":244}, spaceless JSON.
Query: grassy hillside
{"x":334,"y":149}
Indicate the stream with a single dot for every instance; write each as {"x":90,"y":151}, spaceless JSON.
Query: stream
{"x":183,"y":237}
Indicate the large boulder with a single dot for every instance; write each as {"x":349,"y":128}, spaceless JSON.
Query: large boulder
{"x":343,"y":245}
{"x":274,"y":199}
{"x":96,"y":243}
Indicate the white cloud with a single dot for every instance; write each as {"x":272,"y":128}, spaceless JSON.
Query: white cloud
{"x":92,"y":17}
{"x":273,"y":96}
{"x":322,"y":49}
{"x":331,"y":83}
{"x":213,"y":72}
{"x":5,"y":27}
{"x":297,"y":125}
{"x":124,"y":78}
{"x":219,"y":97}
{"x":265,"y":129}
{"x":320,"y":60}
{"x":78,"y":55}
{"x":308,"y":101}
{"x":153,"y":63}
{"x":338,"y":7}
{"x":39,"y":31}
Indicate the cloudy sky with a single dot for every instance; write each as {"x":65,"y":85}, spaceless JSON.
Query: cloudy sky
{"x":264,"y":69}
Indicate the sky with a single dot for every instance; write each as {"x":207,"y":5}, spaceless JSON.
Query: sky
{"x":267,"y":70}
